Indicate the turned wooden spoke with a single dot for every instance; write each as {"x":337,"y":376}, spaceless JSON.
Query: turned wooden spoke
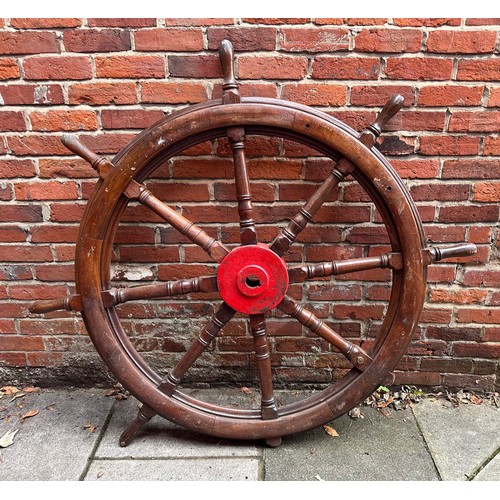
{"x":214,"y":248}
{"x":392,"y":260}
{"x":223,"y":314}
{"x":263,"y":358}
{"x":355,"y":354}
{"x":248,"y":235}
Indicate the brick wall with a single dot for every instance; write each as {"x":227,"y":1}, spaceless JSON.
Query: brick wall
{"x":105,"y":79}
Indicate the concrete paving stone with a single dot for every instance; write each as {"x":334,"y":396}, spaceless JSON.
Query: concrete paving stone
{"x":53,"y":444}
{"x":160,"y":438}
{"x":199,"y":469}
{"x":491,"y":471}
{"x":460,"y":439}
{"x":375,"y":448}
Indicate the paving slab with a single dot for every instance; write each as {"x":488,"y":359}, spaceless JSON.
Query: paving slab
{"x":491,"y":471}
{"x":160,"y":438}
{"x":377,"y":447}
{"x":199,"y":469}
{"x":54,"y":444}
{"x":461,"y":439}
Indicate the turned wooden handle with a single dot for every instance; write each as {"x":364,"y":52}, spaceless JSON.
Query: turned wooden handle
{"x":45,"y":306}
{"x":226,"y":54}
{"x":391,"y":107}
{"x":76,"y":146}
{"x":464,"y":250}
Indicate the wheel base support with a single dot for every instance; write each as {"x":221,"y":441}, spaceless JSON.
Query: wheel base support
{"x":145,"y":414}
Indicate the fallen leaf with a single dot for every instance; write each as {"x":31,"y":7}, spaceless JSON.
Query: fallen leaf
{"x":90,"y":427}
{"x":31,"y":413}
{"x":245,"y":390}
{"x":100,"y":474}
{"x":31,"y":389}
{"x":318,"y":478}
{"x":50,"y":407}
{"x":8,"y":438}
{"x":8,"y":390}
{"x":330,"y":431}
{"x":476,"y":400}
{"x":356,"y":413}
{"x":17,"y":396}
{"x":384,"y":404}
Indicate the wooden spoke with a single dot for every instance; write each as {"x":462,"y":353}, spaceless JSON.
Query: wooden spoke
{"x":214,"y":248}
{"x":248,"y":235}
{"x":355,"y":354}
{"x":223,"y":314}
{"x":263,"y":358}
{"x":391,"y":260}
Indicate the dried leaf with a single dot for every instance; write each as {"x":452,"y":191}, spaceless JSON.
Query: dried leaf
{"x":90,"y":427}
{"x":31,"y":389}
{"x":17,"y":396}
{"x":8,"y":438}
{"x":31,"y":413}
{"x":386,"y":403}
{"x":245,"y":390}
{"x":476,"y":400}
{"x":100,"y":474}
{"x":330,"y":431}
{"x":8,"y":390}
{"x":356,"y":413}
{"x":50,"y":407}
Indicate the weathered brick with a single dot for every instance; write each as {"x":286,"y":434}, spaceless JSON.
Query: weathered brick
{"x":37,"y":145}
{"x":346,"y":68}
{"x":420,"y":168}
{"x":199,"y":66}
{"x":477,"y":121}
{"x":28,"y":42}
{"x":442,"y":192}
{"x":471,"y":296}
{"x":51,"y":190}
{"x":122,"y":22}
{"x":449,"y":145}
{"x":9,"y":68}
{"x":16,"y":168}
{"x":487,"y":191}
{"x":96,"y":40}
{"x":130,"y":118}
{"x":422,"y":21}
{"x":417,"y":120}
{"x":206,"y":21}
{"x":471,"y":169}
{"x":272,"y":67}
{"x":243,"y":38}
{"x":476,"y":350}
{"x":378,"y":95}
{"x":40,"y":23}
{"x":99,"y":93}
{"x":21,"y":343}
{"x":57,"y":68}
{"x":388,"y":40}
{"x":275,"y":20}
{"x":461,"y":42}
{"x":57,"y":120}
{"x":168,"y":39}
{"x":315,"y":94}
{"x":491,"y":146}
{"x":173,"y":92}
{"x":418,"y":68}
{"x":478,"y":69}
{"x":29,"y":94}
{"x":130,"y":66}
{"x":477,"y":21}
{"x":464,"y":213}
{"x":450,"y":95}
{"x":12,"y":121}
{"x":314,"y":39}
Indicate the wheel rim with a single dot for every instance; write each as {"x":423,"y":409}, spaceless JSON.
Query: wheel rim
{"x":210,"y":121}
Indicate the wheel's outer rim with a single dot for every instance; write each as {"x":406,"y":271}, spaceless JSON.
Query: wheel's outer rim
{"x":269,"y":113}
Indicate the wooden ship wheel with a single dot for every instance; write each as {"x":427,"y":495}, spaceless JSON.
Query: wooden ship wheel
{"x":252,"y":278}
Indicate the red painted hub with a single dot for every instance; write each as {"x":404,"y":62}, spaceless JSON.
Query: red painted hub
{"x":252,"y":279}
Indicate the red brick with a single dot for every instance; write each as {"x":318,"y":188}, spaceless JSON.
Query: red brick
{"x":54,"y":234}
{"x":314,"y":39}
{"x":441,"y":192}
{"x":480,"y":234}
{"x":206,"y":21}
{"x":38,"y":145}
{"x":461,"y":42}
{"x":422,"y":21}
{"x":487,"y":278}
{"x":444,"y":234}
{"x":57,"y":68}
{"x":453,"y":334}
{"x":243,"y":38}
{"x":16,"y":359}
{"x":21,"y":343}
{"x":492,"y":334}
{"x":16,"y":168}
{"x":122,"y":22}
{"x":477,"y":121}
{"x":199,"y":66}
{"x":417,"y":120}
{"x":11,"y":234}
{"x":416,"y":168}
{"x":28,"y":42}
{"x":329,"y":20}
{"x":6,"y":192}
{"x":253,"y":89}
{"x":469,"y":296}
{"x":51,"y":190}
{"x":478,"y":69}
{"x":491,"y":146}
{"x":12,"y":121}
{"x":8,"y":68}
{"x":32,"y":292}
{"x":476,"y":350}
{"x":103,"y":93}
{"x":378,"y":95}
{"x":173,"y":92}
{"x":179,"y":191}
{"x":21,"y":213}
{"x":130,"y":66}
{"x":476,"y":21}
{"x":315,"y":94}
{"x":272,"y":67}
{"x":64,"y":212}
{"x":271,"y":169}
{"x":397,"y":145}
{"x":275,"y":20}
{"x":168,"y":39}
{"x":40,"y":23}
{"x":96,"y":40}
{"x":346,"y":68}
{"x":25,"y":253}
{"x":149,"y":254}
{"x":261,"y":191}
{"x":19,"y":94}
{"x":388,"y":40}
{"x":467,"y":213}
{"x":471,"y":169}
{"x":418,"y":68}
{"x":130,"y":118}
{"x":487,"y":191}
{"x":366,"y":21}
{"x":45,"y":359}
{"x":342,"y":311}
{"x":57,"y":120}
{"x":334,"y":293}
{"x":450,"y":95}
{"x":449,"y":145}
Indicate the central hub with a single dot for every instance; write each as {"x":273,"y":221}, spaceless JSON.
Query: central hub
{"x":252,"y":279}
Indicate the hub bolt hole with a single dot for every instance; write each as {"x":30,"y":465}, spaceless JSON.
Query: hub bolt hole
{"x":252,"y":281}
